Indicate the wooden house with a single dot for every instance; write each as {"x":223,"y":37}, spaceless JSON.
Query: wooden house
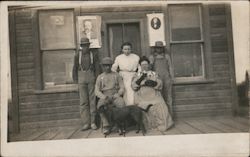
{"x":198,"y":37}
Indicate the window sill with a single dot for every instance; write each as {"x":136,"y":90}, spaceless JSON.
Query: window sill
{"x":58,"y":89}
{"x":188,"y":82}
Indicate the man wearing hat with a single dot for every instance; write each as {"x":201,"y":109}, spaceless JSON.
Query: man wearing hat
{"x":161,"y":63}
{"x":85,"y":70}
{"x":110,"y":89}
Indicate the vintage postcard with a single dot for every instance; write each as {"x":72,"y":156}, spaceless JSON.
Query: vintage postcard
{"x":125,"y":78}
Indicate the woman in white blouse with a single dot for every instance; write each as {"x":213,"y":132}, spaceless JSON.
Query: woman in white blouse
{"x":127,"y":64}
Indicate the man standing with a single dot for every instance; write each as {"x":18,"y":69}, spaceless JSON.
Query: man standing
{"x":110,"y":89}
{"x":161,"y":63}
{"x":85,"y":70}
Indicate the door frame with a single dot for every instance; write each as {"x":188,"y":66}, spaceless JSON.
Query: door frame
{"x":106,"y":41}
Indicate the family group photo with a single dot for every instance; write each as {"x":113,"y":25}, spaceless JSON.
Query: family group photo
{"x":129,"y":70}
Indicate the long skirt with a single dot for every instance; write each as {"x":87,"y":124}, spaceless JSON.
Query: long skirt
{"x":158,"y":116}
{"x":129,"y":92}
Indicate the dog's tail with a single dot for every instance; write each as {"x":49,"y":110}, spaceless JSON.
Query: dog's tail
{"x":147,"y":109}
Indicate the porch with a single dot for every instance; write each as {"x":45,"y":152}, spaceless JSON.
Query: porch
{"x":201,"y":125}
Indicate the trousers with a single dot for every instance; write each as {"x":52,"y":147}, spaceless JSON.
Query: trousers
{"x":86,"y":82}
{"x":167,"y":93}
{"x":129,"y":92}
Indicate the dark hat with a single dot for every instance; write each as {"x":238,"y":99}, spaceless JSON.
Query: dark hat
{"x":107,"y":61}
{"x":159,"y":44}
{"x":84,"y":41}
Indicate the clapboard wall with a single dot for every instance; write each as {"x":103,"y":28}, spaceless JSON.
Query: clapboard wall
{"x":34,"y":110}
{"x":211,"y":98}
{"x":37,"y":109}
{"x":216,"y":97}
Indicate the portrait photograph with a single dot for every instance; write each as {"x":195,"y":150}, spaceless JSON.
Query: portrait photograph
{"x":125,"y":78}
{"x":89,"y":27}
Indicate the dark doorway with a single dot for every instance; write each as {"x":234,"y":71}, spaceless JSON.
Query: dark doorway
{"x":124,"y":32}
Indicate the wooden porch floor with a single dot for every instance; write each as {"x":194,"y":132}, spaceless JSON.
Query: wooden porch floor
{"x":183,"y":126}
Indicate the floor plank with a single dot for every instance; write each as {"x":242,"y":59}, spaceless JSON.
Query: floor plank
{"x":186,"y":128}
{"x":154,"y":132}
{"x":96,"y":134}
{"x":36,"y":134}
{"x":233,"y":124}
{"x":113,"y":134}
{"x":80,"y":134}
{"x":132,"y":133}
{"x":219,"y":126}
{"x":182,"y":126}
{"x":202,"y":126}
{"x":65,"y":133}
{"x":21,"y":136}
{"x":241,"y":120}
{"x":50,"y":133}
{"x":173,"y":131}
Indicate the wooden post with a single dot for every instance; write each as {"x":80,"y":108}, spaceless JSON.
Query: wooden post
{"x":14,"y":78}
{"x":235,"y":102}
{"x":36,"y":49}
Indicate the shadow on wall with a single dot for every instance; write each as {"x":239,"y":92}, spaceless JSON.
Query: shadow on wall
{"x":243,"y":95}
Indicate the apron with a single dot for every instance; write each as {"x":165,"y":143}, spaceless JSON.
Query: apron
{"x":129,"y":92}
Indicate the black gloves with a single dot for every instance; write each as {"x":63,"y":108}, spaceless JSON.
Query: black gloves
{"x":144,"y":75}
{"x":150,"y":83}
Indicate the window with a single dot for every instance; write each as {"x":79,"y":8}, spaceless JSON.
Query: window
{"x":57,"y":47}
{"x":186,"y":41}
{"x":123,"y":32}
{"x":57,"y":67}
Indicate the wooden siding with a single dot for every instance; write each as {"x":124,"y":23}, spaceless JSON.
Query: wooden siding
{"x":62,"y":109}
{"x":38,"y":110}
{"x":122,"y":14}
{"x":214,"y":98}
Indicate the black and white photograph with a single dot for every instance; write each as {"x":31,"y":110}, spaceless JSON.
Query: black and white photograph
{"x":89,"y":27}
{"x":125,"y":77}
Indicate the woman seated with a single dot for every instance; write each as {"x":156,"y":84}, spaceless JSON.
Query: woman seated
{"x":147,"y":86}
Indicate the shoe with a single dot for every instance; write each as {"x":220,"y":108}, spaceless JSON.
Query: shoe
{"x":93,"y":126}
{"x":85,"y":127}
{"x":106,"y":130}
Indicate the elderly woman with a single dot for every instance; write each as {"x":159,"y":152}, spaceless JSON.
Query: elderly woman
{"x":126,"y":64}
{"x":147,"y":85}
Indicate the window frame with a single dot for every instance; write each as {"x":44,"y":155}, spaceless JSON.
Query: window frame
{"x":40,"y":86}
{"x":205,"y":42}
{"x":203,"y":66}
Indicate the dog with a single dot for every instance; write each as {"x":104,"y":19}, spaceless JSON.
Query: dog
{"x":119,"y":115}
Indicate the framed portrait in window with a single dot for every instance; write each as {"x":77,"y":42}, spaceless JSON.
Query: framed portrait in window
{"x":90,"y":27}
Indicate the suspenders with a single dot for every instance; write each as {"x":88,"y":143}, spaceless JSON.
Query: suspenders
{"x":80,"y":59}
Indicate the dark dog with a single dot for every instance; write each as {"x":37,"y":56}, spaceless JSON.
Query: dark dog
{"x":118,"y":116}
